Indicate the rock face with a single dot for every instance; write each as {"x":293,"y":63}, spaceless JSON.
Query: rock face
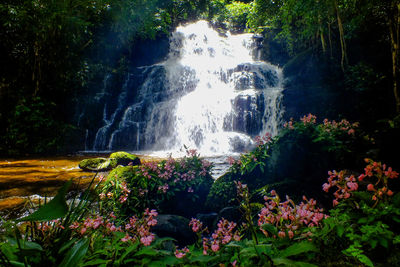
{"x":104,"y":164}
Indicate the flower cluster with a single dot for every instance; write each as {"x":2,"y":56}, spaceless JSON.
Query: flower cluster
{"x":119,"y":190}
{"x":289,"y":219}
{"x":196,"y":225}
{"x":309,"y":119}
{"x":172,"y":172}
{"x":289,"y":124}
{"x":222,"y":235}
{"x":345,"y":185}
{"x":266,"y":139}
{"x":378,"y":174}
{"x":135,"y":229}
{"x":48,"y":226}
{"x":343,"y":126}
{"x":180,"y":253}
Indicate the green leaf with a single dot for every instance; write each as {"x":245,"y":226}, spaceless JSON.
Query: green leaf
{"x":298,"y":248}
{"x":128,"y":250}
{"x":95,"y":262}
{"x":384,"y":243}
{"x":287,"y":262}
{"x":270,"y":228}
{"x":340,"y":230}
{"x":67,"y":245}
{"x":55,"y":209}
{"x":203,"y":258}
{"x":171,"y":260}
{"x":148,"y":251}
{"x":17,"y":263}
{"x":364,"y":259}
{"x":75,"y":254}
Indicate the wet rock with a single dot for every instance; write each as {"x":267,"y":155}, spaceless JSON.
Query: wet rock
{"x":174,"y":226}
{"x":97,"y":164}
{"x":125,"y":158}
{"x":230,"y":214}
{"x":208,"y":219}
{"x":115,"y":159}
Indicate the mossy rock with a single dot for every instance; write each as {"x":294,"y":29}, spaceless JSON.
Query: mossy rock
{"x":124,"y":173}
{"x":222,"y":192}
{"x":97,"y":164}
{"x":103,"y":164}
{"x":125,"y":158}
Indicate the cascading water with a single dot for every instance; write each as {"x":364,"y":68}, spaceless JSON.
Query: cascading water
{"x":211,"y":94}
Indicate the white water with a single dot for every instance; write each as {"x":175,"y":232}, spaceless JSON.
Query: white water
{"x":202,"y":116}
{"x":210,"y":94}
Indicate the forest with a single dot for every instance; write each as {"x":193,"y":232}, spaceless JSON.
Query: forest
{"x":323,"y":191}
{"x":54,"y":53}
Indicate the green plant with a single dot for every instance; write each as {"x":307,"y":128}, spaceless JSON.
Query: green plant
{"x":167,"y":185}
{"x":366,"y":213}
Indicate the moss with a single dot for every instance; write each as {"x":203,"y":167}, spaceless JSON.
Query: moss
{"x":125,"y":158}
{"x":124,"y":173}
{"x":222,"y":192}
{"x":95,"y":164}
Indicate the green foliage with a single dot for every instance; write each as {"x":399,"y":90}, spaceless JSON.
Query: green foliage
{"x":364,"y":225}
{"x":230,"y":15}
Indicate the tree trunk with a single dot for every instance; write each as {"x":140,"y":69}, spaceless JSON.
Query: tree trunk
{"x":341,"y":34}
{"x":394,"y":28}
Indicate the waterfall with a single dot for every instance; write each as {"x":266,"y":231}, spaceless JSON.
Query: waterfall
{"x":212,"y":93}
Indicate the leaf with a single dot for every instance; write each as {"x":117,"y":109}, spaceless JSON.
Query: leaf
{"x":55,"y":209}
{"x":203,"y":258}
{"x":270,"y":228}
{"x":67,"y":245}
{"x":298,"y":248}
{"x":384,"y":243}
{"x":17,"y":263}
{"x":148,"y":251}
{"x":340,"y":230}
{"x":95,"y":262}
{"x":288,"y":262}
{"x":157,"y":264}
{"x":131,"y":248}
{"x":171,"y":260}
{"x":27,"y":245}
{"x":75,"y":254}
{"x":364,"y":259}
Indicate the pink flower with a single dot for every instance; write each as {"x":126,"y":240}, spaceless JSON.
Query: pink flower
{"x":74,"y":225}
{"x":146,"y":240}
{"x":126,"y":238}
{"x":281,"y":234}
{"x":215,"y":246}
{"x":290,"y":234}
{"x":181,"y":253}
{"x":335,"y":202}
{"x":326,"y":187}
{"x":370,"y":187}
{"x":196,"y":225}
{"x":389,"y":193}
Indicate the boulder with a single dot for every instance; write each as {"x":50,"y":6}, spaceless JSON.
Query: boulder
{"x":104,"y":164}
{"x":174,"y":226}
{"x":125,"y":158}
{"x":97,"y":164}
